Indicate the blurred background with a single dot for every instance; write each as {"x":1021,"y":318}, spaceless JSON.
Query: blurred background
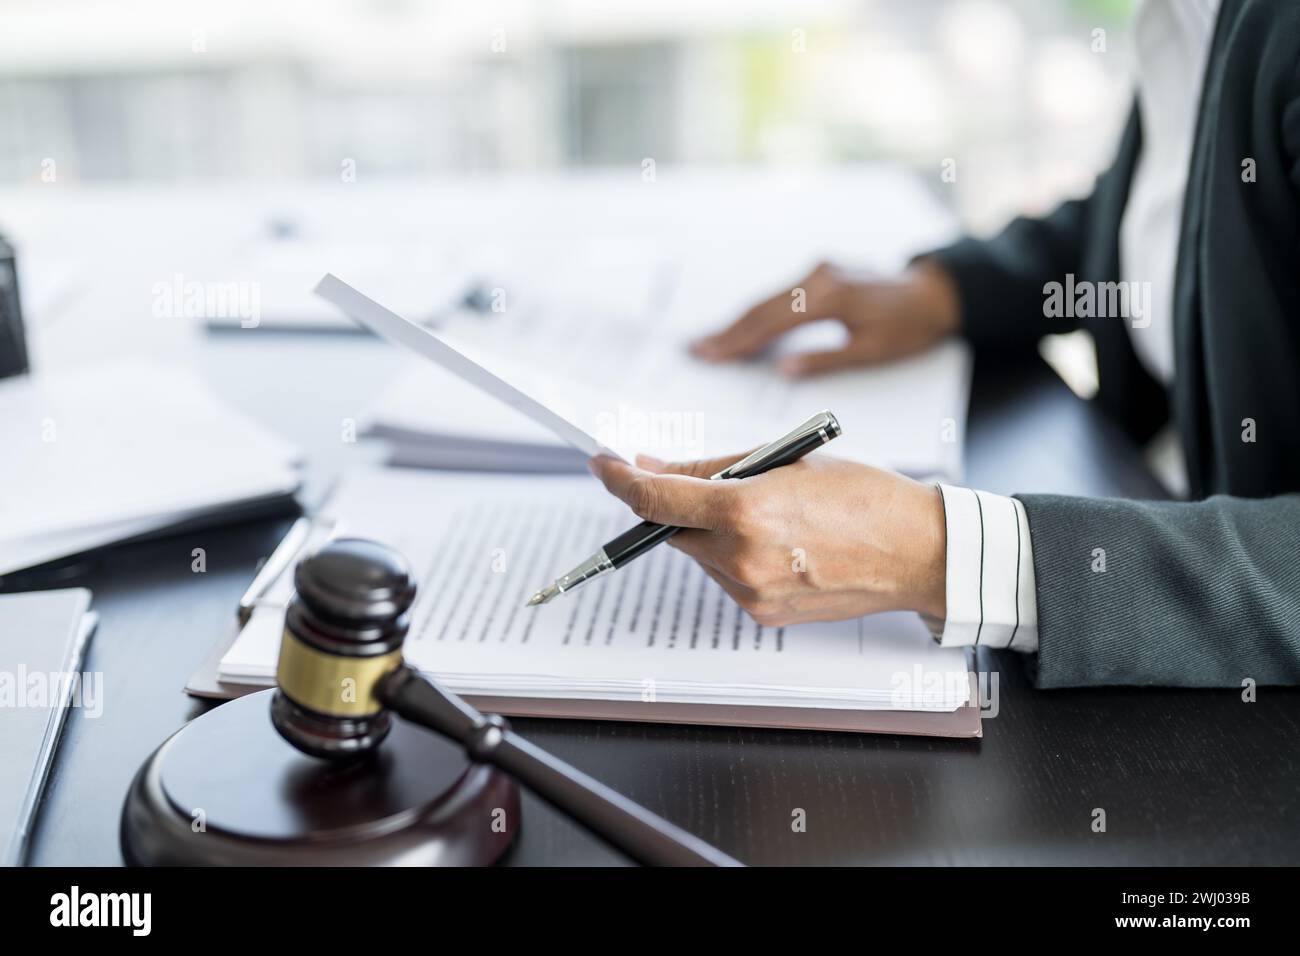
{"x":1024,"y":95}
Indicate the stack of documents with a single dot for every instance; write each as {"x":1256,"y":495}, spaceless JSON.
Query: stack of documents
{"x":101,"y":455}
{"x":635,"y":387}
{"x":659,"y":634}
{"x":431,"y":418}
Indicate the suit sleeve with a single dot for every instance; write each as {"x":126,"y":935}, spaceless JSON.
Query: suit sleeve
{"x":1000,"y":280}
{"x":1201,"y":594}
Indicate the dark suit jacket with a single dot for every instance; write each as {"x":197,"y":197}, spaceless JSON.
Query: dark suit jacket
{"x":1201,"y":593}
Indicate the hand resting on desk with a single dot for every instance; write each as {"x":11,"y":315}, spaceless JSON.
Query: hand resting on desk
{"x":885,"y":318}
{"x":822,"y":539}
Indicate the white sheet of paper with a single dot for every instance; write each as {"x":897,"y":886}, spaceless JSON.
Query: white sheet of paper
{"x":421,"y":341}
{"x":631,"y":382}
{"x":480,"y":546}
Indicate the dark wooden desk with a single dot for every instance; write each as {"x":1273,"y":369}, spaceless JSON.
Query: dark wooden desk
{"x":1185,"y":777}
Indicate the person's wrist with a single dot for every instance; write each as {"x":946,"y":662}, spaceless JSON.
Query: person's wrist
{"x":933,"y":298}
{"x":929,"y":573}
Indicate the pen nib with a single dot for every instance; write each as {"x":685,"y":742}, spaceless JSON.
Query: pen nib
{"x":542,"y":596}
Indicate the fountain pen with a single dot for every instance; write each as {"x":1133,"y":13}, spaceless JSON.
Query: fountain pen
{"x":634,"y":542}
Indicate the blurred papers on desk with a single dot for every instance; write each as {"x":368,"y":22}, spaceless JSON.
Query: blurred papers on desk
{"x":636,"y":388}
{"x":98,"y":455}
{"x":277,"y":275}
{"x":429,"y":281}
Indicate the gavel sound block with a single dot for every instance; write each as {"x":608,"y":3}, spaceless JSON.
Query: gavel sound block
{"x":317,"y":772}
{"x":227,"y":790}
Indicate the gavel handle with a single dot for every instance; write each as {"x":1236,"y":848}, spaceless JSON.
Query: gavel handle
{"x":646,"y":838}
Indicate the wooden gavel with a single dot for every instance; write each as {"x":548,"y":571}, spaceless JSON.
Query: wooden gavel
{"x":341,"y":677}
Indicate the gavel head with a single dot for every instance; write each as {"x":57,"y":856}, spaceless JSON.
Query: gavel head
{"x":343,"y":632}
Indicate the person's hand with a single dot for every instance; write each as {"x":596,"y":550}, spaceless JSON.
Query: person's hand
{"x":822,"y":539}
{"x":885,"y":318}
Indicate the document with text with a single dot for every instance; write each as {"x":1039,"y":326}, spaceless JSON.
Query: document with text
{"x":658,"y":630}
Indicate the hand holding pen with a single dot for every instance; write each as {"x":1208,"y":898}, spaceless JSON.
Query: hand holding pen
{"x":819,"y":539}
{"x":631,"y":544}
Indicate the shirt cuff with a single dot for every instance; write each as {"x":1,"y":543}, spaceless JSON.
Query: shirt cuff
{"x":990,"y":588}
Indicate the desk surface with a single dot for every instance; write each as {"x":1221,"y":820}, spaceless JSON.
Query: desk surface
{"x":1185,"y":777}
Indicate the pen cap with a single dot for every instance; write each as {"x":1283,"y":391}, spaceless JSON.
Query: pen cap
{"x":813,"y":433}
{"x":344,"y":629}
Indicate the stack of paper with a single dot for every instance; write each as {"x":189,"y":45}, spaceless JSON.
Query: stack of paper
{"x":659,"y":631}
{"x":634,"y":386}
{"x":434,"y":419}
{"x":97,"y":456}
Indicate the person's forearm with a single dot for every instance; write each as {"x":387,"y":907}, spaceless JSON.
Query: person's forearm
{"x":999,"y":281}
{"x":1201,"y":594}
{"x":933,"y":297}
